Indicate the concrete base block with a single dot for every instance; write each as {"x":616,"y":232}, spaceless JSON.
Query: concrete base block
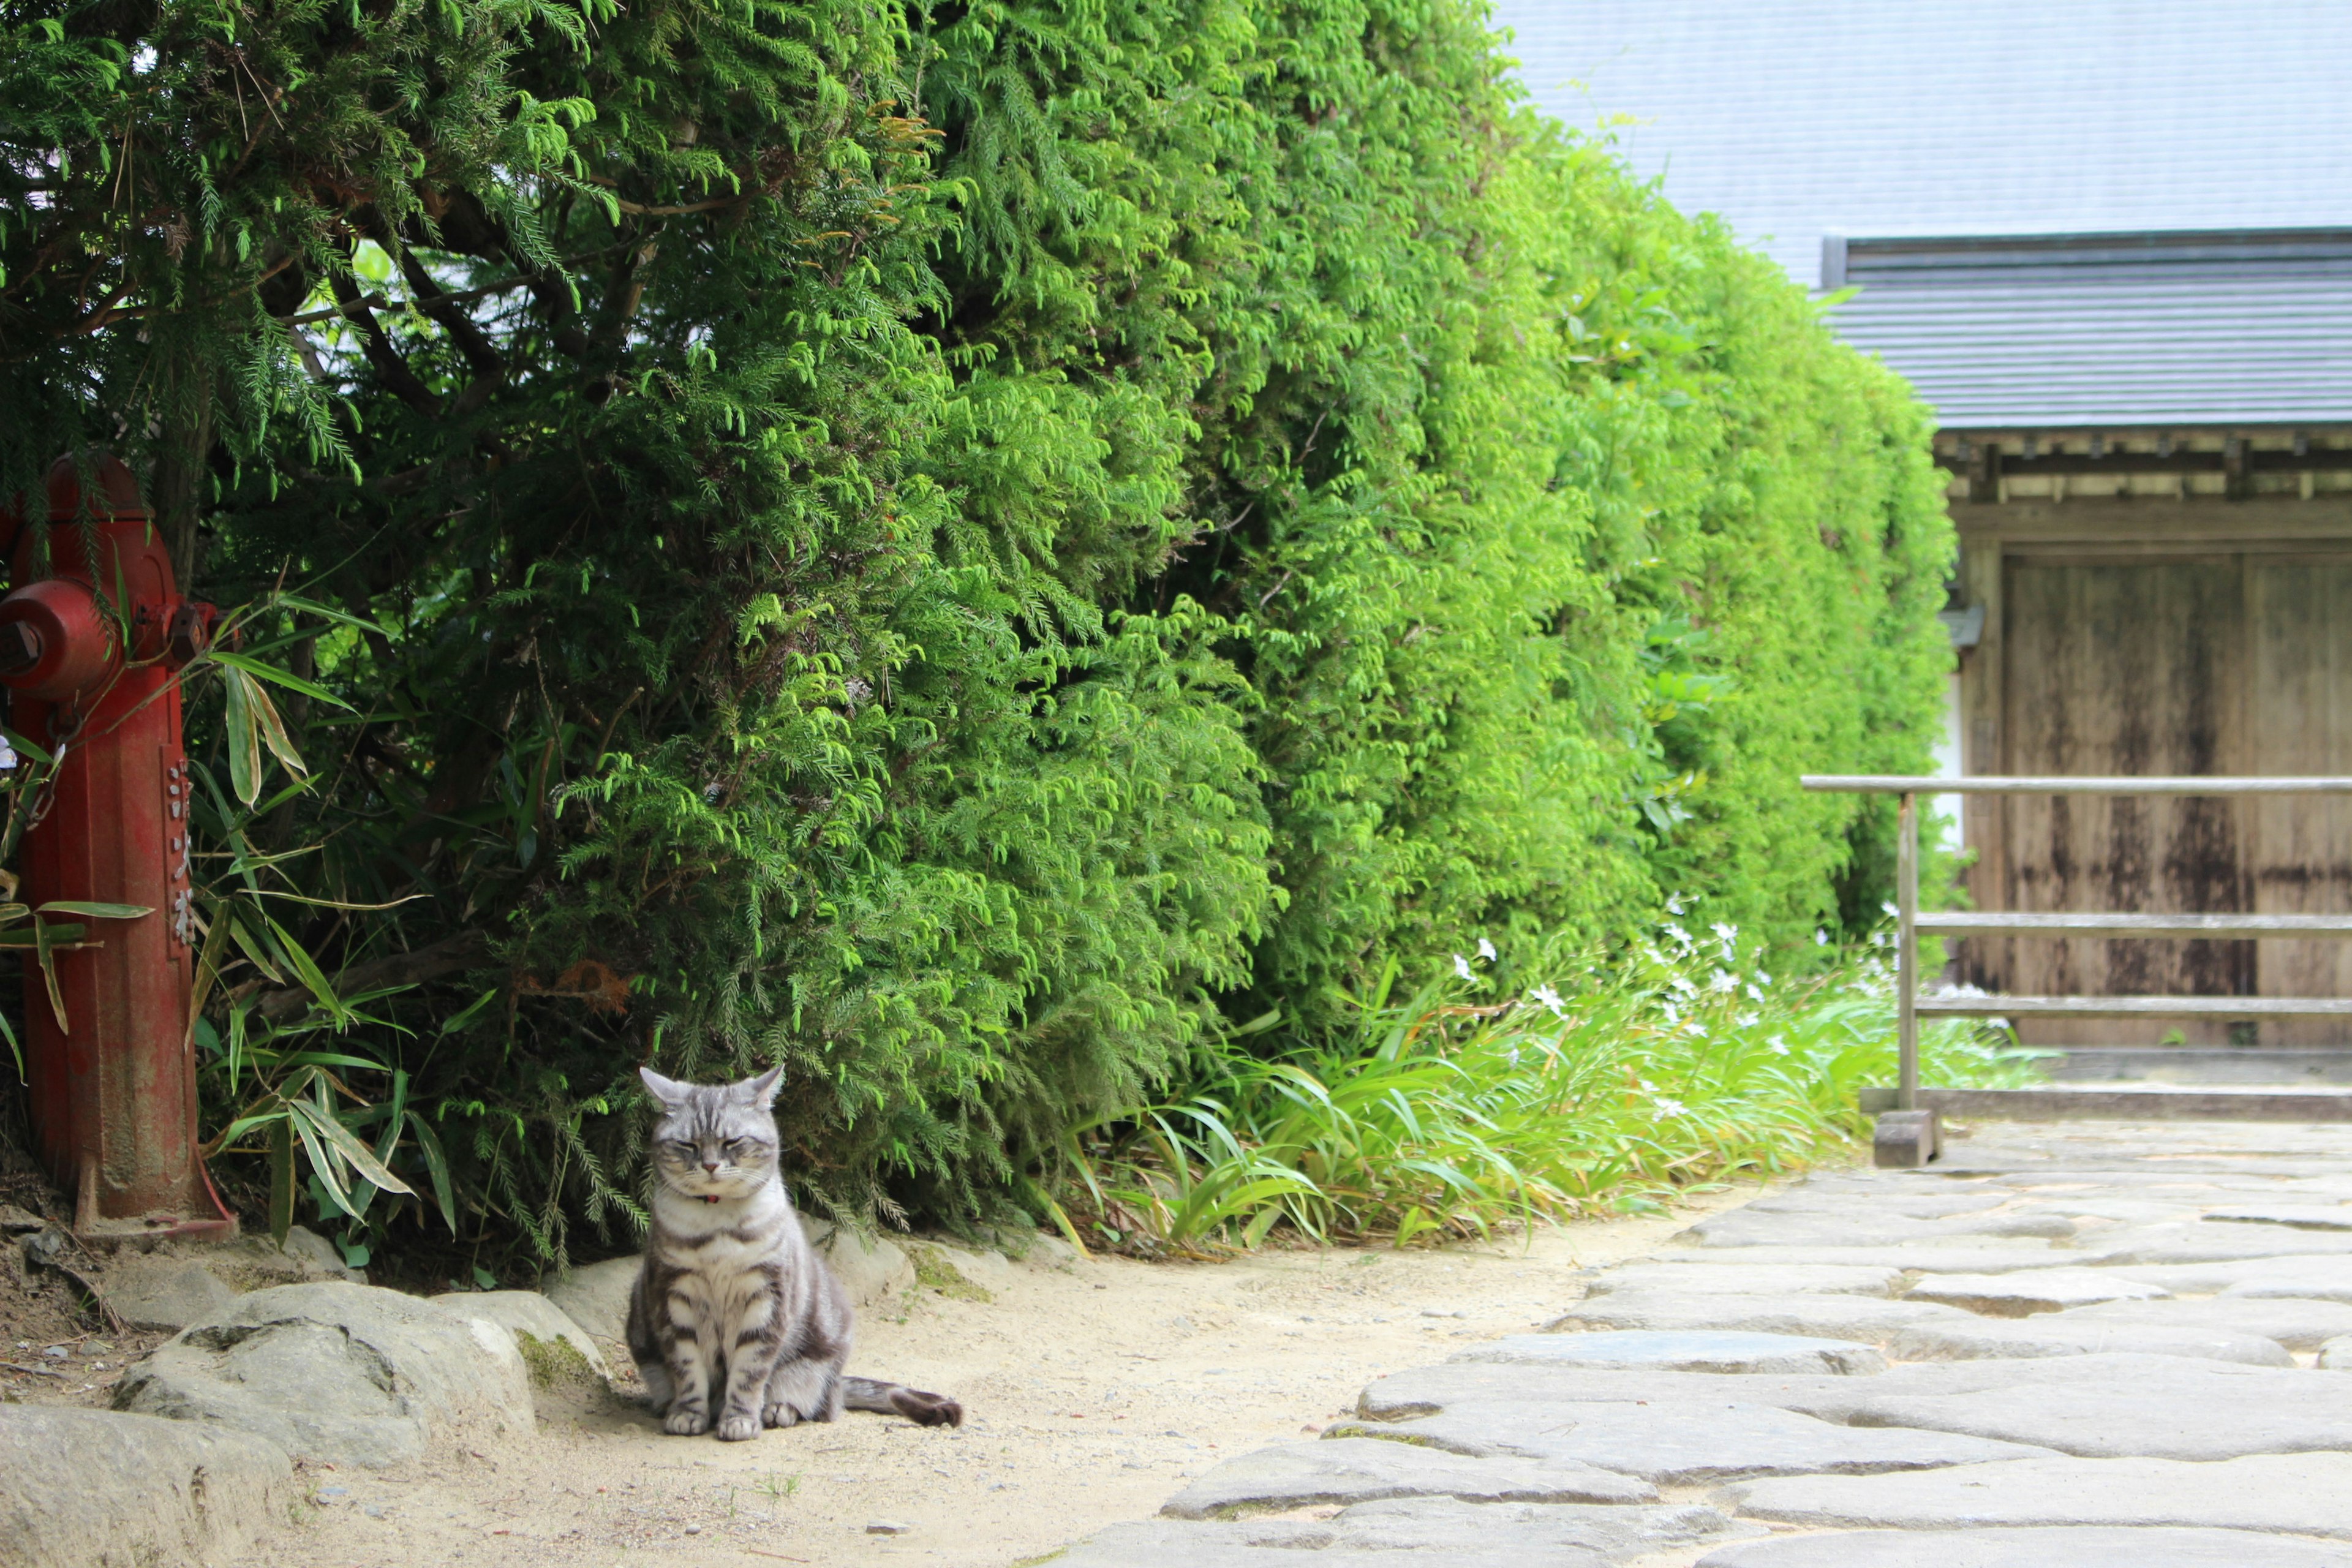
{"x":1903,"y":1139}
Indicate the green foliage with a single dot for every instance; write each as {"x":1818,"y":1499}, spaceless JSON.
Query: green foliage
{"x":1444,"y":1115}
{"x":953,"y":547}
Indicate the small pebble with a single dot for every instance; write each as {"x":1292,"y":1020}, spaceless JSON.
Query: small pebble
{"x":56,"y":1353}
{"x":880,"y":1527}
{"x":329,"y":1494}
{"x":1435,"y":1313}
{"x":694,"y":1530}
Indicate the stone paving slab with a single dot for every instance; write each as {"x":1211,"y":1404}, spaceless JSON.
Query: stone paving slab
{"x":2309,"y":1279}
{"x":1739,"y":1227}
{"x":2065,"y":1334}
{"x":1360,"y":1469}
{"x":1684,"y":1443}
{"x":2061,"y":1548}
{"x":1751,"y":1278}
{"x":1694,"y":1351}
{"x":1874,"y":1200}
{"x":2303,"y":1216}
{"x":2025,"y":1292}
{"x":2188,"y":1410}
{"x":2192,"y":1242}
{"x":1864,"y":1319}
{"x":1426,"y":1389}
{"x":2295,"y":1494}
{"x":1368,"y":1535}
{"x":1928,"y":1259}
{"x":2297,"y":1322}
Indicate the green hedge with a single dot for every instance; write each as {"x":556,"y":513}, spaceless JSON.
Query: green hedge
{"x":955,"y":548}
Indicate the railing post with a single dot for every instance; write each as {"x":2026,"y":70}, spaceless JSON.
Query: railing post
{"x":1906,"y":951}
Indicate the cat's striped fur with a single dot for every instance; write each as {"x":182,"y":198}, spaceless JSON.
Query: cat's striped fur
{"x":735,"y":1322}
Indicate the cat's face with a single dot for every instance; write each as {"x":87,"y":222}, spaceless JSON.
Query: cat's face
{"x":714,"y":1140}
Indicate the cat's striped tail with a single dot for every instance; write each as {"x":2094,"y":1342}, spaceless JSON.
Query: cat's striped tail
{"x":898,"y":1399}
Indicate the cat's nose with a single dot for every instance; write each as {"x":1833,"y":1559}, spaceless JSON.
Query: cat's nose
{"x":711,"y":1166}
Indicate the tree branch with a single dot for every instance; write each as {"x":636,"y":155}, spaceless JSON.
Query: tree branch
{"x":447,"y":956}
{"x":397,"y":378}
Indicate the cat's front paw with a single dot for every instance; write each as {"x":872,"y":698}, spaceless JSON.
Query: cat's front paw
{"x":686,"y":1422}
{"x":739,"y":1428}
{"x":779,"y":1416}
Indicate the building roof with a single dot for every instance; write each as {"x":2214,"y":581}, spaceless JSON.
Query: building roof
{"x":2080,"y":125}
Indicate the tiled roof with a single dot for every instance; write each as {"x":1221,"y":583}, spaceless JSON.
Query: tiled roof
{"x":1800,"y":119}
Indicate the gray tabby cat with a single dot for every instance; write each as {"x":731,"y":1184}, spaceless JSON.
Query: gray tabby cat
{"x":733,"y":1309}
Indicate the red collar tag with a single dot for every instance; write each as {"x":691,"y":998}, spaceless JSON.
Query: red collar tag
{"x":709,"y":1197}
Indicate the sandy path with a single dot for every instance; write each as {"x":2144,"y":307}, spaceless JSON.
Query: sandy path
{"x":1094,"y":1390}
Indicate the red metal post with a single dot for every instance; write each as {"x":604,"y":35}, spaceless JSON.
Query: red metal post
{"x":114,"y":1083}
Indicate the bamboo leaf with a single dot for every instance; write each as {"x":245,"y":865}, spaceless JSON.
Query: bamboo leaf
{"x":263,"y":670}
{"x":437,"y":1164}
{"x":243,"y":737}
{"x":281,"y":1178}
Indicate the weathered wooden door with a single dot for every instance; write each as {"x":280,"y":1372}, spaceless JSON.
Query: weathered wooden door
{"x":2185,"y":664}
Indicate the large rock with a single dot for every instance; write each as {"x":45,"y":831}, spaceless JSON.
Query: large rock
{"x":1866,"y":1319}
{"x":2093,"y":1547}
{"x":164,"y":1292}
{"x":89,"y":1488}
{"x":596,"y":1296}
{"x":2295,"y":1494}
{"x":534,"y":1320}
{"x":1683,"y":1442}
{"x":1373,"y":1535}
{"x":870,"y":1268}
{"x":2024,"y":1293}
{"x":257,"y":1262}
{"x":2065,"y":1334}
{"x":1682,"y":1352}
{"x":2170,"y":1407}
{"x":347,"y":1374}
{"x":1358,"y":1470}
{"x":1700,"y":1278}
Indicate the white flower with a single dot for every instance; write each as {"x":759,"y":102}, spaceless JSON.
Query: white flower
{"x":1550,"y":998}
{"x":1462,"y":966}
{"x":1674,"y":903}
{"x":1682,"y":987}
{"x":1648,"y":1087}
{"x":1682,"y":938}
{"x":1654,"y":956}
{"x":1514,"y":1055}
{"x":1891,"y":910}
{"x":1755,"y":994}
{"x":1821,"y":938}
{"x":1779,"y":1047}
{"x":1762,"y":978}
{"x":1670,"y":1107}
{"x":1699,"y":1031}
{"x":1674,"y":1013}
{"x":1748,"y":1020}
{"x":1486,"y":949}
{"x":1724,"y":981}
{"x":1726,"y":933}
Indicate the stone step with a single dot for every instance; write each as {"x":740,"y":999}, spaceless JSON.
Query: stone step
{"x":2139,"y":1102}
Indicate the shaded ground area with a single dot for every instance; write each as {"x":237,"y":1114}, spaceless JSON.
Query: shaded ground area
{"x":2079,"y":1345}
{"x":1095,"y":1388}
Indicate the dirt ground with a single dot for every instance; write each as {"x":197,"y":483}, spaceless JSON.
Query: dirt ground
{"x":1094,"y":1390}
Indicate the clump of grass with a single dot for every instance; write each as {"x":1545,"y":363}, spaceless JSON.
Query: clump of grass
{"x":1608,"y":1090}
{"x":934,"y":1272}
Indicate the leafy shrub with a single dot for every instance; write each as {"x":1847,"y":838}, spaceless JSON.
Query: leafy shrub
{"x":957,"y":548}
{"x":1445,"y":1115}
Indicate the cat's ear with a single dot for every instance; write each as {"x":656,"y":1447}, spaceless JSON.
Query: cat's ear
{"x":761,"y":1090}
{"x":668,"y":1090}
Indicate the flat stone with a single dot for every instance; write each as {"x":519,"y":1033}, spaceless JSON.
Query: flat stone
{"x":2093,"y":1547}
{"x":2031,"y":1291}
{"x":2295,"y":1494}
{"x":1865,"y":1319}
{"x":1929,"y":1258}
{"x":2297,"y":1322}
{"x":257,"y":1262}
{"x":2304,"y":1216}
{"x":1369,"y":1535}
{"x":2311,"y":1278}
{"x":339,"y":1373}
{"x":527,"y":1312}
{"x":1875,"y":1196}
{"x":1703,"y":1278}
{"x":90,"y":1489}
{"x":1426,"y":1389}
{"x":2166,"y":1407}
{"x":1747,"y":1228}
{"x":1358,"y":1470}
{"x":1697,"y":1351}
{"x":870,"y":1268}
{"x":1683,"y":1442}
{"x":159,"y":1292}
{"x":2196,"y":1242}
{"x":2336,"y":1355}
{"x":2065,"y":1334}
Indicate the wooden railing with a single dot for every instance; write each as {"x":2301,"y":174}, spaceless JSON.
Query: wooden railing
{"x":1910,"y":922}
